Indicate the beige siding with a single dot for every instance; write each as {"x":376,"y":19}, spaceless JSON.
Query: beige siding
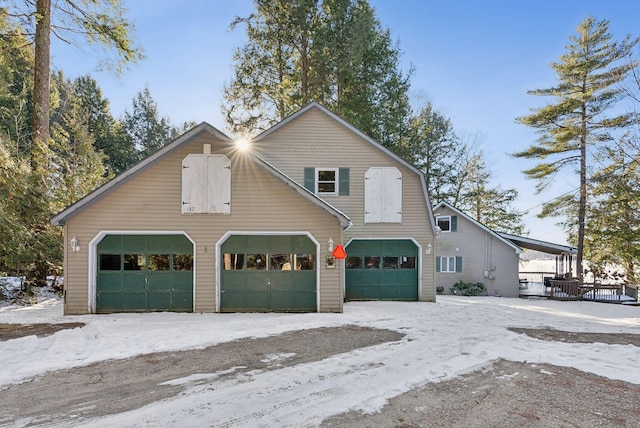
{"x":151,"y":201}
{"x":316,"y":140}
{"x":480,"y":250}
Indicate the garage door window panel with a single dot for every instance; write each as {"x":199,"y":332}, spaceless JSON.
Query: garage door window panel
{"x":354,"y":262}
{"x":256,"y":262}
{"x":408,"y":263}
{"x":280,"y":262}
{"x":390,"y":262}
{"x":233,"y":261}
{"x":134,"y":262}
{"x":304,"y":262}
{"x":110,"y":262}
{"x":159,"y":262}
{"x":183,"y":262}
{"x":372,"y":262}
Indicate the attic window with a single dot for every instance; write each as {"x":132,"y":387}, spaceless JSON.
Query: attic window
{"x":444,"y":223}
{"x":327,"y":181}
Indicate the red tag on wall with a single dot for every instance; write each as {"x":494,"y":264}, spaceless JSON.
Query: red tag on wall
{"x":339,"y":252}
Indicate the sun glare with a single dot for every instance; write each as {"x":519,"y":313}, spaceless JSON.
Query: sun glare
{"x":243,"y":144}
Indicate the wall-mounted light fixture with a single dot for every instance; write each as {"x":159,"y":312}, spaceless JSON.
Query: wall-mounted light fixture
{"x":429,"y":247}
{"x":330,"y":247}
{"x":75,"y":245}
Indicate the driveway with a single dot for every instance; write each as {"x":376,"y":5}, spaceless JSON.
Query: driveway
{"x":504,"y":394}
{"x":116,"y":386}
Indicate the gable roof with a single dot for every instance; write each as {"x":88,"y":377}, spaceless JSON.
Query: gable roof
{"x":60,"y":218}
{"x":497,"y":235}
{"x":362,"y":135}
{"x":542,"y":246}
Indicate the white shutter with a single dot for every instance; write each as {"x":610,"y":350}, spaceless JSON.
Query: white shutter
{"x":373,"y":195}
{"x":392,"y":196}
{"x":383,"y":195}
{"x":206,"y":184}
{"x":219,"y":181}
{"x":194,"y":184}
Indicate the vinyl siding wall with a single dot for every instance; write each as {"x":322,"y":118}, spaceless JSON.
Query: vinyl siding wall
{"x":316,"y":140}
{"x":479,"y":250}
{"x":151,"y":201}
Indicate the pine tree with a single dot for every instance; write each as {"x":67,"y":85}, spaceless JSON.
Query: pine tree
{"x":335,"y":52}
{"x":30,"y":245}
{"x":79,"y":167}
{"x":612,"y":238}
{"x":146,"y":130}
{"x":432,"y":146}
{"x":16,"y":82}
{"x":471,"y":191}
{"x":588,"y":73}
{"x":119,"y":153}
{"x":491,"y":206}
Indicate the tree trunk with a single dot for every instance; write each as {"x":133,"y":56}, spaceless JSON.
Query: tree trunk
{"x":37,"y":272}
{"x":304,"y":70}
{"x":582,"y":208}
{"x":41,"y":95}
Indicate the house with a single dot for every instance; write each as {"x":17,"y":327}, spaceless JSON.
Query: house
{"x":470,"y":252}
{"x":204,"y":226}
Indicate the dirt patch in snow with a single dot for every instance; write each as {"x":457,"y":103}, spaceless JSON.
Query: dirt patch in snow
{"x":14,"y":331}
{"x":580,"y":337}
{"x":509,"y":394}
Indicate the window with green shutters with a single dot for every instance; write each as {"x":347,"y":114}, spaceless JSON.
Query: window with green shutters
{"x":327,"y":181}
{"x":449,"y":264}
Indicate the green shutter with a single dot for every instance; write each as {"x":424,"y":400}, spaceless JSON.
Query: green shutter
{"x":454,"y":223}
{"x":438,"y":264}
{"x":458,"y":264}
{"x":310,"y":179}
{"x":343,"y":174}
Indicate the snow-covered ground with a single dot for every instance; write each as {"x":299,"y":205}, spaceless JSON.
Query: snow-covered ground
{"x":456,"y":335}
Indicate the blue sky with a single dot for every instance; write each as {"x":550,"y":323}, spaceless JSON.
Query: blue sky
{"x":474,"y":60}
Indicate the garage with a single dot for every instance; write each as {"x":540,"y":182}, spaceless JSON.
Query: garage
{"x":384,"y":269}
{"x":268,"y":273}
{"x":144,"y":273}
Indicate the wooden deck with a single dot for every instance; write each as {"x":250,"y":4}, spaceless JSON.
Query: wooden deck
{"x":572,"y":289}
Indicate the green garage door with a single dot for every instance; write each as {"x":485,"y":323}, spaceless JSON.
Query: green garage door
{"x":262,"y":273}
{"x":144,"y":273}
{"x":382,"y":270}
